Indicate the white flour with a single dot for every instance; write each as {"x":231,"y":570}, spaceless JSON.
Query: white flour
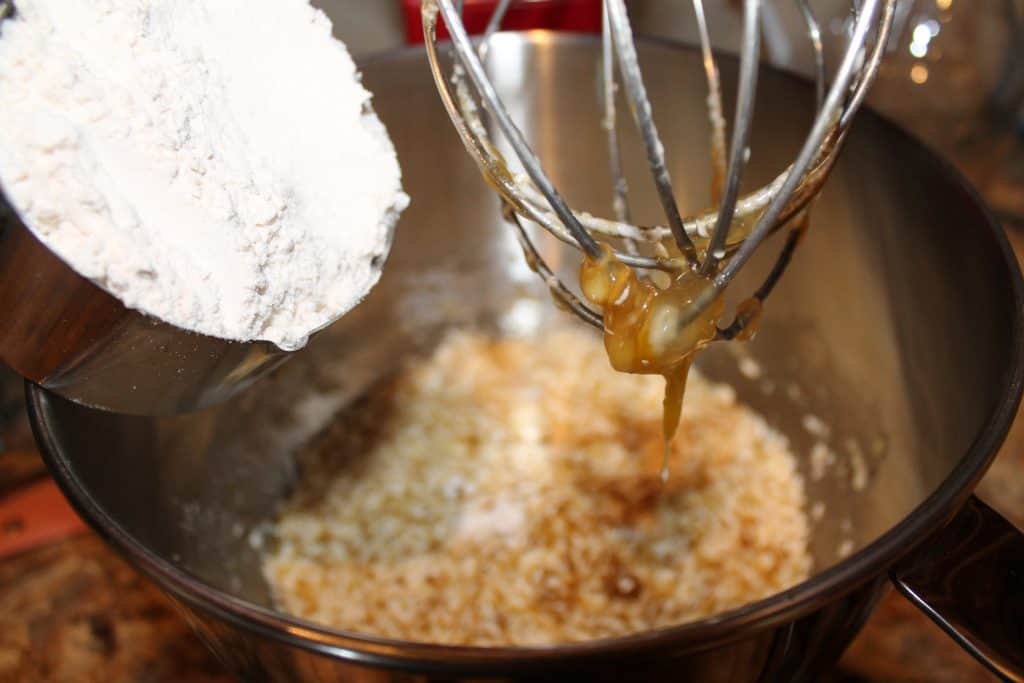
{"x":210,"y":162}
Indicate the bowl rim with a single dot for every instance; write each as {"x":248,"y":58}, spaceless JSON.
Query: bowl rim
{"x":778,"y":609}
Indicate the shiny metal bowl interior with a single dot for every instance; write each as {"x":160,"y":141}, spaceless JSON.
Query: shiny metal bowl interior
{"x":899,"y":324}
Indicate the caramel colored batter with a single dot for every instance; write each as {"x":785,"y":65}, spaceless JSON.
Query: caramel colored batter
{"x":644,"y":331}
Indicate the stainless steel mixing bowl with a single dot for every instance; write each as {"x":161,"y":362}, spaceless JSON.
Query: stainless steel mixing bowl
{"x":900,"y":325}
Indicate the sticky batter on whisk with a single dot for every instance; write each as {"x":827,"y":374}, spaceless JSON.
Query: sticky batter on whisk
{"x":643,"y":329}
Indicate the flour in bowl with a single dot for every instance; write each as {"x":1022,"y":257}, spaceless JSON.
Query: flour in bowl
{"x":213,"y":163}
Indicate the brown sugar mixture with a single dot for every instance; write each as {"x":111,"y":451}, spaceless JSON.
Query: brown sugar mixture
{"x":507,"y":492}
{"x":644,"y":329}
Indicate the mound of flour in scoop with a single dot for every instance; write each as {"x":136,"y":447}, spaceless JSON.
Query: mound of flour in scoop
{"x":213,"y":163}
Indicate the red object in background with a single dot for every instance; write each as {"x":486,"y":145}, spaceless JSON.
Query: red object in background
{"x":35,"y":515}
{"x":581,"y":16}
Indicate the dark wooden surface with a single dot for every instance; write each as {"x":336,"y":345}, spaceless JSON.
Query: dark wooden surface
{"x":74,"y":611}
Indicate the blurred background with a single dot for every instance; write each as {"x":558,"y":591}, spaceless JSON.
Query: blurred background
{"x":954,"y":73}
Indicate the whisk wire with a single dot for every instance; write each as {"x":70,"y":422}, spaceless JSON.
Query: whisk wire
{"x":517,"y":190}
{"x":873,"y":63}
{"x":609,"y":87}
{"x":493,"y":24}
{"x":559,"y":291}
{"x":799,"y":224}
{"x":814,"y":33}
{"x":716,"y":117}
{"x":643,"y":116}
{"x":739,"y":151}
{"x":531,"y":164}
{"x":824,"y":123}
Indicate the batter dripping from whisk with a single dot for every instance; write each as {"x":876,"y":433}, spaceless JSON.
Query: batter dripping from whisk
{"x":644,"y":328}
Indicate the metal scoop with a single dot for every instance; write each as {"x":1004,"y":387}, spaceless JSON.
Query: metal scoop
{"x":68,"y":335}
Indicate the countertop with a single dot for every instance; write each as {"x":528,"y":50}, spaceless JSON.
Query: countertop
{"x":74,"y":611}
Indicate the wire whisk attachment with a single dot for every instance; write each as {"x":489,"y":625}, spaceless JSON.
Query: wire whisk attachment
{"x":716,"y":243}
